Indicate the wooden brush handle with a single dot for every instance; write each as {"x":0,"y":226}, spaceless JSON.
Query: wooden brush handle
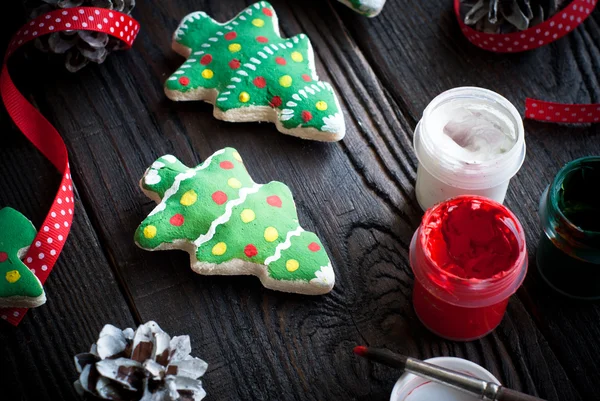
{"x":506,"y":394}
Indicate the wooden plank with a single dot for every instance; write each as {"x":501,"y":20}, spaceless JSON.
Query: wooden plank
{"x":418,"y":51}
{"x":83,"y":294}
{"x":358,"y":195}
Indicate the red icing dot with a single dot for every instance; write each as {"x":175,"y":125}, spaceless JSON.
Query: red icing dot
{"x":260,"y":82}
{"x":280,"y":61}
{"x":185,"y":81}
{"x":230,"y":35}
{"x":313,"y":246}
{"x":262,"y":39}
{"x":306,"y":77}
{"x":274,"y":200}
{"x":206,"y":59}
{"x":226,"y":165}
{"x":306,"y":116}
{"x":267,"y":12}
{"x":250,"y":250}
{"x":235,"y":64}
{"x":3,"y":256}
{"x":275,"y":102}
{"x":177,"y":220}
{"x":219,"y":197}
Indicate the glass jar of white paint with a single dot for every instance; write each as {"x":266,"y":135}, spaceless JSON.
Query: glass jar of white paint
{"x":470,"y":141}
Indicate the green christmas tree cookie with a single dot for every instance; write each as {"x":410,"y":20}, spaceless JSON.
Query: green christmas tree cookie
{"x":231,"y":225}
{"x":369,"y":8}
{"x":19,"y":287}
{"x":249,"y":73}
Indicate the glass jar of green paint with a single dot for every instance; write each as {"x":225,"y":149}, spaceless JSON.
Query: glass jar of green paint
{"x":568,"y":255}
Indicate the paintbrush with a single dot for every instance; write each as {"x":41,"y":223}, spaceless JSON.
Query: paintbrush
{"x":481,"y":389}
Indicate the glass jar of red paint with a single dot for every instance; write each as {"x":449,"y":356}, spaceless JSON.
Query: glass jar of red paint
{"x":568,"y":254}
{"x":468,"y":257}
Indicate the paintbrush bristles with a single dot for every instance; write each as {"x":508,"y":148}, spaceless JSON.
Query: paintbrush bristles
{"x":383,"y":356}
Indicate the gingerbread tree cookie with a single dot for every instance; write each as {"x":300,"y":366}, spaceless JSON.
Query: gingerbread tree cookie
{"x":249,"y":73}
{"x":369,"y":8}
{"x":19,"y":287}
{"x":231,"y":225}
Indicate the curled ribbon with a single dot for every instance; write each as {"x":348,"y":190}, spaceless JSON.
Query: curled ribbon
{"x":49,"y":242}
{"x":565,"y":21}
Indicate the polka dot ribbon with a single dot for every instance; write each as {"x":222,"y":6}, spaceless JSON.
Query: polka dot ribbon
{"x":540,"y":35}
{"x":49,"y":242}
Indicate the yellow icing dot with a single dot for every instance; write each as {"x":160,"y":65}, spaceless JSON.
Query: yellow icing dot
{"x":208,"y":74}
{"x":258,"y":23}
{"x":285,"y":81}
{"x":13,"y":276}
{"x":219,"y":249}
{"x":237,"y":156}
{"x":150,"y":232}
{"x":234,"y":183}
{"x":189,"y":198}
{"x":297,"y":57}
{"x":271,"y":234}
{"x":292,"y":265}
{"x":247,"y":215}
{"x":234,"y":47}
{"x":321,"y":105}
{"x":244,"y":97}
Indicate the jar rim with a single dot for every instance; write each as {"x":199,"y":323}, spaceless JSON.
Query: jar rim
{"x":480,"y":175}
{"x":475,"y":292}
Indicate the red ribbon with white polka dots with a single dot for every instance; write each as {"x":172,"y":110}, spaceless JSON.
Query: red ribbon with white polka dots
{"x":542,"y":34}
{"x":49,"y":242}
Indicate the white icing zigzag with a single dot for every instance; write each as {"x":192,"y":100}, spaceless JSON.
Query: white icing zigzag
{"x":224,"y":218}
{"x":284,"y":245}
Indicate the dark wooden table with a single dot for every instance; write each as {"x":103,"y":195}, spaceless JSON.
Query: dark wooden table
{"x":358,"y":195}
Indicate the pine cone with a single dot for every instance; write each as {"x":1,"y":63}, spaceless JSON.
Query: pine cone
{"x":505,"y":16}
{"x":147,"y":365}
{"x":78,"y":47}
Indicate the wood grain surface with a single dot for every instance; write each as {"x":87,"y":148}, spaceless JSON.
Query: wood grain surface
{"x":358,"y":195}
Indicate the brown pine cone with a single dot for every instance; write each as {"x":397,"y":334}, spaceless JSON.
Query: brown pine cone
{"x":145,"y":365}
{"x":78,"y":47}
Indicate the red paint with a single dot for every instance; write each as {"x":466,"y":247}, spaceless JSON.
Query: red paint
{"x":250,"y":250}
{"x":226,"y":165}
{"x":177,"y":220}
{"x":206,"y":59}
{"x":260,"y":82}
{"x":235,"y":64}
{"x":360,"y":350}
{"x":219,"y":197}
{"x":3,"y":257}
{"x":280,"y":61}
{"x":469,"y":257}
{"x":262,"y":39}
{"x":230,"y":35}
{"x":314,"y":247}
{"x":267,"y":12}
{"x":276,"y":102}
{"x":306,"y":116}
{"x":416,"y":388}
{"x":185,"y":81}
{"x":306,"y":77}
{"x":274,"y":200}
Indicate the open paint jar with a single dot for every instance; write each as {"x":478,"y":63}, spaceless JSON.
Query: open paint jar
{"x":568,"y":254}
{"x":468,"y":256}
{"x":414,"y":388}
{"x":469,"y":141}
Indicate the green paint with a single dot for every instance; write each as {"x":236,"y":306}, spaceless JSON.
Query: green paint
{"x":250,"y":65}
{"x":16,"y":280}
{"x":194,"y":200}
